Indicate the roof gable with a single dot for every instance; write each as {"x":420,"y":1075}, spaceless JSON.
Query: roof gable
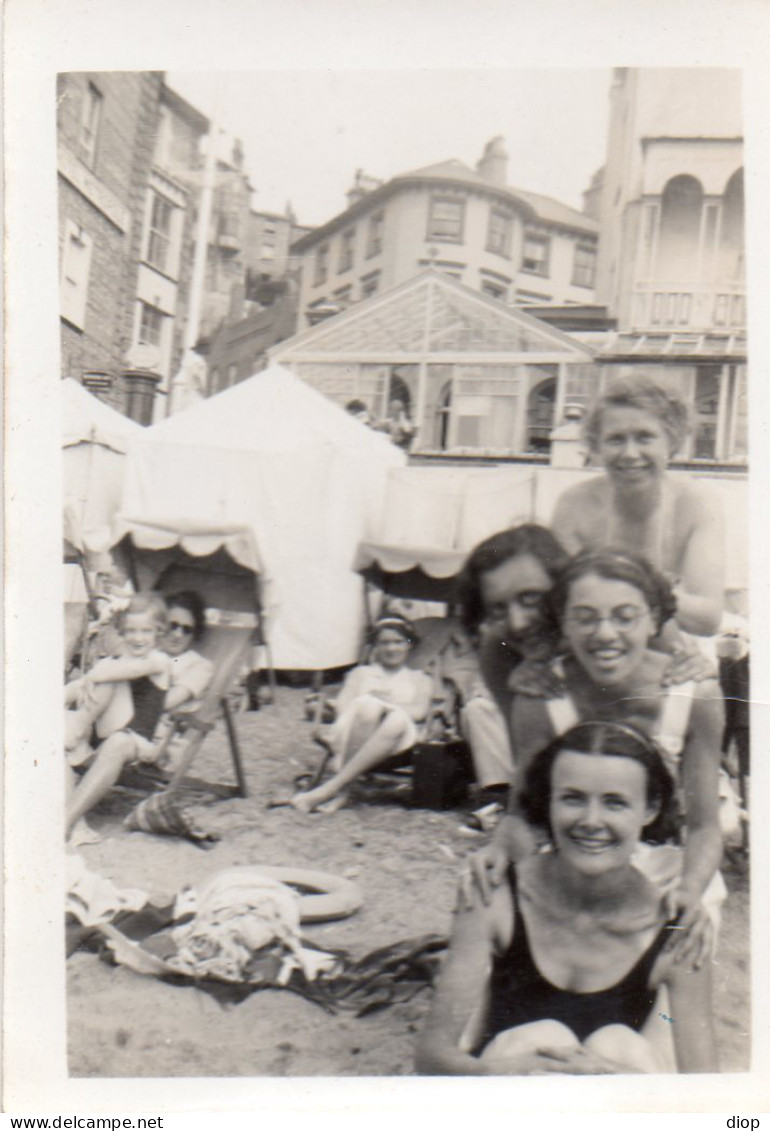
{"x":431,"y":314}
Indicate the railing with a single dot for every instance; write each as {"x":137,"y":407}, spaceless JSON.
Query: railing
{"x":682,"y":306}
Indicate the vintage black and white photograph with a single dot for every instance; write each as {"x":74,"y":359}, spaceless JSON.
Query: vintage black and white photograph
{"x":405,"y":542}
{"x":383,"y":566}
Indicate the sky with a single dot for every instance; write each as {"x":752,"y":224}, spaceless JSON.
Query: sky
{"x":306,"y":132}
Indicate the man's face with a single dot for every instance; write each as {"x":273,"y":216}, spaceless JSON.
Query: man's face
{"x":514,"y":595}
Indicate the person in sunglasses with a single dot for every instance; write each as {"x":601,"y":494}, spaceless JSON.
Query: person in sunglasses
{"x":190,"y":671}
{"x":111,"y":709}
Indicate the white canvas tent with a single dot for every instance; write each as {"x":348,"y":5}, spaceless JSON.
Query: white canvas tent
{"x":95,"y":439}
{"x":275,"y":455}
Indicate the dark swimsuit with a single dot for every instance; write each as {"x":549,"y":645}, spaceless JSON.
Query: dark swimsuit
{"x":149,"y":700}
{"x":520,"y":994}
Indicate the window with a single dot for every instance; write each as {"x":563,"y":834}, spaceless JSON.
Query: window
{"x":370,"y":285}
{"x":75,"y":268}
{"x":446,"y":219}
{"x":499,"y":232}
{"x":496,"y":290}
{"x":267,"y":250}
{"x":343,"y":297}
{"x":584,"y":271}
{"x":707,"y":385}
{"x":347,"y":250}
{"x":374,"y":234}
{"x":536,"y":253}
{"x":160,"y":233}
{"x":151,"y":322}
{"x":321,"y":265}
{"x":90,"y":117}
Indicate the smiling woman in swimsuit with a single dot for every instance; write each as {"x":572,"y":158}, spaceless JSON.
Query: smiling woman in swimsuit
{"x":637,"y":505}
{"x":560,"y":972}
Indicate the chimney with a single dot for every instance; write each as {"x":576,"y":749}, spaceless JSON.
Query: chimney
{"x":493,"y":165}
{"x":361,"y":186}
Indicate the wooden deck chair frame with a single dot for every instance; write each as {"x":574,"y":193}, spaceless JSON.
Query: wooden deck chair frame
{"x":161,"y":557}
{"x":73,"y":556}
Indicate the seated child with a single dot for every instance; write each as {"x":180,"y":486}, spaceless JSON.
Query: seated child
{"x":121,"y":699}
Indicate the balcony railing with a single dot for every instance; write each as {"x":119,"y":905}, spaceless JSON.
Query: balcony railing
{"x":683,"y":306}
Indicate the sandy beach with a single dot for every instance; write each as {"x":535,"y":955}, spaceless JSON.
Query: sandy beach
{"x":123,"y":1024}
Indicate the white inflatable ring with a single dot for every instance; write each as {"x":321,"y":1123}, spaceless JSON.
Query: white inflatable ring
{"x":329,"y":897}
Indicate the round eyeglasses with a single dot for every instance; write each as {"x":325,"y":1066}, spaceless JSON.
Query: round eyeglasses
{"x":586,"y":621}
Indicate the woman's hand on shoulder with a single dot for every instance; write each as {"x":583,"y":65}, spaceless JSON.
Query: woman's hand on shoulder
{"x":687,"y":664}
{"x":692,"y":935}
{"x":484,"y":871}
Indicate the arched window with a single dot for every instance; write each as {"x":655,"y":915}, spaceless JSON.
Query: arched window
{"x":680,"y":220}
{"x":398,"y":390}
{"x":443,"y":416}
{"x":731,"y":242}
{"x":541,"y":406}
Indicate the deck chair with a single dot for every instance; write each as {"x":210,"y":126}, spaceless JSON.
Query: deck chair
{"x":407,"y":581}
{"x":221,"y":565}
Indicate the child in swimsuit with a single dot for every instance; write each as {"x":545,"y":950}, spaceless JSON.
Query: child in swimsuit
{"x":559,"y":973}
{"x":121,"y":699}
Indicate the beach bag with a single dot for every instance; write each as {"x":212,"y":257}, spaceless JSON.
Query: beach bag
{"x":441,"y":774}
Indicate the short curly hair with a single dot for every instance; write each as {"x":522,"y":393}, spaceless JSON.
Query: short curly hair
{"x":609,"y":739}
{"x":641,"y":392}
{"x":616,"y":565}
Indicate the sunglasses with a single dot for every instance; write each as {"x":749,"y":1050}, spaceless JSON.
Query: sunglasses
{"x":187,"y":629}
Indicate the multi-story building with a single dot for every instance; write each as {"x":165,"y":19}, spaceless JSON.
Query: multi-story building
{"x":671,"y":259}
{"x":167,"y":244}
{"x":268,"y":239}
{"x":106,"y":124}
{"x":512,"y":245}
{"x":263,"y":306}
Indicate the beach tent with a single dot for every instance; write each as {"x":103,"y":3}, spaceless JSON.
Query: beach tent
{"x":277,"y":456}
{"x":95,"y":439}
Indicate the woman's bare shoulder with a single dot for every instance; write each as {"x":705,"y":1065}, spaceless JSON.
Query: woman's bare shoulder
{"x":585,"y":490}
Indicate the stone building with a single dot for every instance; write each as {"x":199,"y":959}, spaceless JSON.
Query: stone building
{"x":512,"y":245}
{"x":671,"y":268}
{"x":167,"y":246}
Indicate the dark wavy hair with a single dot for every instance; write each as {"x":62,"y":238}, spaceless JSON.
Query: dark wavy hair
{"x":528,"y":538}
{"x":616,"y":565}
{"x":610,"y":739}
{"x":641,"y":392}
{"x":188,"y":599}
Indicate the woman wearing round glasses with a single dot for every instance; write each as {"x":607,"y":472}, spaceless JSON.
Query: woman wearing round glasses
{"x":637,"y":505}
{"x":610,"y":606}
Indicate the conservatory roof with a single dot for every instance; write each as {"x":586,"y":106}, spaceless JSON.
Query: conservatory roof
{"x":435,"y":318}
